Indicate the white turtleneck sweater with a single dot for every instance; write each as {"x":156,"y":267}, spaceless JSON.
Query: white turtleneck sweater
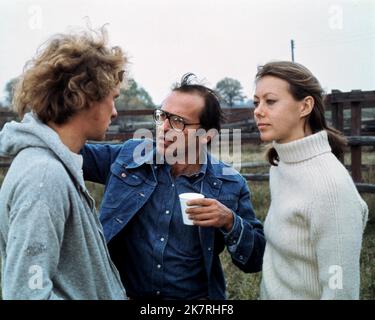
{"x":314,"y":225}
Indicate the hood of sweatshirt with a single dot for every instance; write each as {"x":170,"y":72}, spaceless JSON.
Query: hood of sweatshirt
{"x":31,"y":133}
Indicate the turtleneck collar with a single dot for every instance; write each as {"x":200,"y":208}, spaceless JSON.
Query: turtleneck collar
{"x":303,"y":149}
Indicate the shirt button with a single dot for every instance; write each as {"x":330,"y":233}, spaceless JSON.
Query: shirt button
{"x":215,"y":183}
{"x":161,"y":239}
{"x":167,"y":212}
{"x":123,"y":174}
{"x":209,"y":249}
{"x":118,"y":220}
{"x":172,"y":185}
{"x":158,"y":292}
{"x":158,"y":266}
{"x":241,"y":257}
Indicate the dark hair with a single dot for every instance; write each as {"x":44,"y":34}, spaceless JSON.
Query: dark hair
{"x":212,"y":114}
{"x":69,"y":72}
{"x":302,"y":83}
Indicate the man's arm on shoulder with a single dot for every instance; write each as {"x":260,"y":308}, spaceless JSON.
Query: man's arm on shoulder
{"x":97,"y":160}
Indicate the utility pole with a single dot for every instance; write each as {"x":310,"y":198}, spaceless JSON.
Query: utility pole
{"x":292,"y":48}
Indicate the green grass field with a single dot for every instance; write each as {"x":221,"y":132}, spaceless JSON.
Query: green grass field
{"x":246,"y":286}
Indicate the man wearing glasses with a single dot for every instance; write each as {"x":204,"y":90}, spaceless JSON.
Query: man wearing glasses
{"x":158,"y":256}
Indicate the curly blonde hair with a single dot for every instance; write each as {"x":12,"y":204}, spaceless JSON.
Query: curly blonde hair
{"x":67,"y":73}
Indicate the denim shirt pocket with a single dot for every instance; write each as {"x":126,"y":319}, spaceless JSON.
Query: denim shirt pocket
{"x":229,"y":193}
{"x":223,"y":190}
{"x":122,"y":185}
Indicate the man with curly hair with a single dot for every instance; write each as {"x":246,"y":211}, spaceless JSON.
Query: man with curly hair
{"x":51,"y":241}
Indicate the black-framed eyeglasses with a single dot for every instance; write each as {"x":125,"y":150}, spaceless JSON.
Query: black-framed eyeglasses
{"x":176,"y":122}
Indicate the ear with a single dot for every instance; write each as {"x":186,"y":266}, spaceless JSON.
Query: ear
{"x":206,"y":137}
{"x":204,"y":140}
{"x":307,"y":105}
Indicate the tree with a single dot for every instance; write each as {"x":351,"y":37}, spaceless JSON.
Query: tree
{"x":9,"y":90}
{"x":134,"y":97}
{"x":230,"y":91}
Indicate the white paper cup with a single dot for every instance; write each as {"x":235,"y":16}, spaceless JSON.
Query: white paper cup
{"x":184,"y":197}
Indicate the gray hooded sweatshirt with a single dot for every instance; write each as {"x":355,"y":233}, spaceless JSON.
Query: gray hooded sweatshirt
{"x":51,"y":241}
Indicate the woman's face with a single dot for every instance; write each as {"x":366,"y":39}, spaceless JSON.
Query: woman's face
{"x":278,"y":115}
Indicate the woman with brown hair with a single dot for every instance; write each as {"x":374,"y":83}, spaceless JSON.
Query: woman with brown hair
{"x":316,"y":218}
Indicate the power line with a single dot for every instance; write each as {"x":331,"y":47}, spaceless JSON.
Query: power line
{"x":328,"y":44}
{"x":323,"y":42}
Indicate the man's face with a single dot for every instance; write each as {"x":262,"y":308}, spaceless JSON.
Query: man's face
{"x":100,"y":115}
{"x":188,"y":106}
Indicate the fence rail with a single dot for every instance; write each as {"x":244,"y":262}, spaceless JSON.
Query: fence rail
{"x":356,"y":100}
{"x":361,"y":187}
{"x":336,"y":102}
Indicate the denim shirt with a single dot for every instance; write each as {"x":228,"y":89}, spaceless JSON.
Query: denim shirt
{"x":170,"y":263}
{"x":130,"y":184}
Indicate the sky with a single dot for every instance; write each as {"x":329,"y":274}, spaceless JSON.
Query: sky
{"x":165,"y":39}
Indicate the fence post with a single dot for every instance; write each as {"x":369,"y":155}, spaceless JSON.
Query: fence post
{"x":338,"y":115}
{"x":338,"y":120}
{"x":355,"y":130}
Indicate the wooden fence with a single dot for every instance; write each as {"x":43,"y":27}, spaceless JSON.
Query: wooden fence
{"x":360,"y":133}
{"x":355,"y":100}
